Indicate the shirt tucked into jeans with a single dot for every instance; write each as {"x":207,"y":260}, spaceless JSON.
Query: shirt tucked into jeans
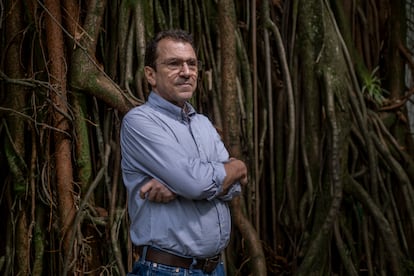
{"x":142,"y":268}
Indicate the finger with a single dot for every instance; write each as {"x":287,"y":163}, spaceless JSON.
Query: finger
{"x":144,"y":190}
{"x":152,"y":195}
{"x":244,"y":181}
{"x":169,"y":198}
{"x":142,"y":195}
{"x":146,"y":187}
{"x":159,"y":197}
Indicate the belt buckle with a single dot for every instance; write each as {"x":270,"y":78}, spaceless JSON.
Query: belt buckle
{"x":210,"y":264}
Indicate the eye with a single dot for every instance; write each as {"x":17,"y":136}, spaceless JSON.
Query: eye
{"x":174,"y":63}
{"x":192,"y":62}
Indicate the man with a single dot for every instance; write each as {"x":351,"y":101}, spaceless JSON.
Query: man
{"x":177,"y":172}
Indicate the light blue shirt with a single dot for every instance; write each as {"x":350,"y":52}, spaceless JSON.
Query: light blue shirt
{"x":185,"y":153}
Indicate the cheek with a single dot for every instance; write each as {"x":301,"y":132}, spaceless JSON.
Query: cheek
{"x":170,"y":77}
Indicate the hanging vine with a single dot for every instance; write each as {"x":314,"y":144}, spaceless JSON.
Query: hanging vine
{"x":310,"y":93}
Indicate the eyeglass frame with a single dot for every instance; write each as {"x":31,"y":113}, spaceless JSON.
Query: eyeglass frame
{"x":180,"y":64}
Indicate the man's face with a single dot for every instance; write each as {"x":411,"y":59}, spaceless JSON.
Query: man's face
{"x":176,"y":76}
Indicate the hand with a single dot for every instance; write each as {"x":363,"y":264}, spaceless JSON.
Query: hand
{"x":243,"y":180}
{"x":155,"y":191}
{"x":236,"y":170}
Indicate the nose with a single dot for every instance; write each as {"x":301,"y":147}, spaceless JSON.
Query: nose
{"x":185,"y":69}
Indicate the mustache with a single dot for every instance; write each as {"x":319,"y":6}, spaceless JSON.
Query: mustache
{"x":184,"y":81}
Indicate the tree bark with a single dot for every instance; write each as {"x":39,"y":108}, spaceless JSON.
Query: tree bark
{"x":302,"y":149}
{"x":87,"y":75}
{"x":62,"y":140}
{"x":15,"y":141}
{"x":232,"y":123}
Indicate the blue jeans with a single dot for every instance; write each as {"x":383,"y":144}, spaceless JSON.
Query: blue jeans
{"x":146,"y":268}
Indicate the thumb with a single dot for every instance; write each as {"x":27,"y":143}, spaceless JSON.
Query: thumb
{"x":144,"y":190}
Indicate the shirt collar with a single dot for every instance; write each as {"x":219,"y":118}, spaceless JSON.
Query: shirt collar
{"x":169,"y":109}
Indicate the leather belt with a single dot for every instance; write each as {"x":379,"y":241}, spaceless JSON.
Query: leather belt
{"x":162,"y":257}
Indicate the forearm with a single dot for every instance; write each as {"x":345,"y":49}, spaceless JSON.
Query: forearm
{"x":236,"y":171}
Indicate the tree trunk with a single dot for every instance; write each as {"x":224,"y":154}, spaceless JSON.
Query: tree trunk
{"x":312,"y":100}
{"x":15,"y":141}
{"x":232,"y":123}
{"x":63,"y":136}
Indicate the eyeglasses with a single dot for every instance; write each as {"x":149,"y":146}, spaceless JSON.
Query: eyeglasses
{"x":176,"y":64}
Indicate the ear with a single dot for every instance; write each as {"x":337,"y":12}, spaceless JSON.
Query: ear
{"x":150,"y":75}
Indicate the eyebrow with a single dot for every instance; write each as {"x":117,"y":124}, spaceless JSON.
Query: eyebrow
{"x":181,"y":59}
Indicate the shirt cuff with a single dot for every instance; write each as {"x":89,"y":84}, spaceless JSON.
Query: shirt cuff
{"x":234,"y":190}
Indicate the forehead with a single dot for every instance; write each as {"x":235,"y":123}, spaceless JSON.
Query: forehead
{"x":168,"y":48}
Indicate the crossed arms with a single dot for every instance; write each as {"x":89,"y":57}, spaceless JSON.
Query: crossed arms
{"x":236,"y":171}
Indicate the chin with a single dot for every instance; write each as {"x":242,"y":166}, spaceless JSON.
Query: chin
{"x":186,"y":94}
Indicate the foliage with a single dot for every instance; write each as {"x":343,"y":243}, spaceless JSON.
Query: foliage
{"x":372,"y":89}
